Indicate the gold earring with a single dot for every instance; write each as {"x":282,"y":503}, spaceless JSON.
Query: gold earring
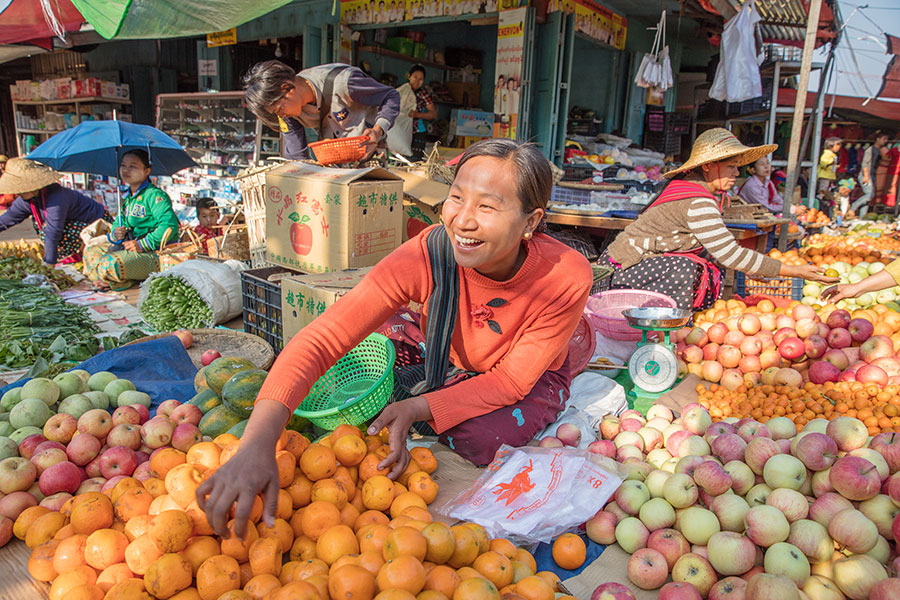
{"x":527,"y":235}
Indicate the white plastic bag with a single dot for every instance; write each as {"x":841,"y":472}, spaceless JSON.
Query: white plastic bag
{"x":399,"y":137}
{"x":737,"y":76}
{"x":534,"y":494}
{"x":219,"y":284}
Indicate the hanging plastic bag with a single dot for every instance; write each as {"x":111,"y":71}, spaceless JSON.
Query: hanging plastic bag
{"x":737,"y":76}
{"x":647,"y":72}
{"x":665,"y":63}
{"x":399,"y":136}
{"x":522,"y":486}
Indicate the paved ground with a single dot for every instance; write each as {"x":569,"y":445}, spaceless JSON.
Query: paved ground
{"x":22,"y":230}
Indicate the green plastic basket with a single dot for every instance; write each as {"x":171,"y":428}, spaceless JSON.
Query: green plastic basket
{"x":355,"y":389}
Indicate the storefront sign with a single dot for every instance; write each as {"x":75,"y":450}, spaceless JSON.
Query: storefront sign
{"x":510,"y":49}
{"x":594,"y":21}
{"x":222,"y":38}
{"x":362,"y":12}
{"x":207,"y":67}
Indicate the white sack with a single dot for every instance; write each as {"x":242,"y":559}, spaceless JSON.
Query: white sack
{"x":219,"y":284}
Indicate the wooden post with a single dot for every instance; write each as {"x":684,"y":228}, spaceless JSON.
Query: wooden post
{"x":793,"y":166}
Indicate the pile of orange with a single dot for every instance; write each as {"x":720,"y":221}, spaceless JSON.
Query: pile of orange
{"x":842,"y":252}
{"x":877,"y":407}
{"x":815,"y":216}
{"x":343,"y":531}
{"x":791,"y":257}
{"x":882,"y":243}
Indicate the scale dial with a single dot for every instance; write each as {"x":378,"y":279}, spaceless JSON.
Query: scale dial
{"x":653,"y":368}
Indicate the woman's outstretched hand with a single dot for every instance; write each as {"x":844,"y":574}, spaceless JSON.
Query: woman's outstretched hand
{"x":398,"y":417}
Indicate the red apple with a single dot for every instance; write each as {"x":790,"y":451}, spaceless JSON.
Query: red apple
{"x":6,"y":530}
{"x":601,"y":528}
{"x":678,"y":591}
{"x":61,"y":477}
{"x":647,"y":569}
{"x":12,"y":505}
{"x":125,"y":434}
{"x":710,"y":351}
{"x":839,"y":338}
{"x":186,"y":337}
{"x":60,"y":428}
{"x":96,"y":422}
{"x":45,"y":459}
{"x":92,"y":469}
{"x":157,"y":432}
{"x":165,"y":408}
{"x":823,"y":371}
{"x":49,"y":444}
{"x":837,"y":358}
{"x":697,"y":337}
{"x":816,"y":450}
{"x":83,"y":448}
{"x":791,"y":348}
{"x":886,"y":589}
{"x":143,"y":411}
{"x":769,"y":358}
{"x":118,"y":460}
{"x":734,"y":338}
{"x":782,"y":334}
{"x":28,"y":446}
{"x":838,"y":319}
{"x":730,"y":588}
{"x":876,"y":346}
{"x":888,"y":445}
{"x":126,"y":415}
{"x":855,"y":478}
{"x":728,"y":356}
{"x":749,"y":324}
{"x":207,"y":357}
{"x":872,"y":374}
{"x":602,"y":447}
{"x":612,"y":591}
{"x":187,"y":434}
{"x":815,"y":346}
{"x":860,"y":330}
{"x":692,"y":354}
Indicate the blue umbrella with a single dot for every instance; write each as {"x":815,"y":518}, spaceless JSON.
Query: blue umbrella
{"x":97,"y":147}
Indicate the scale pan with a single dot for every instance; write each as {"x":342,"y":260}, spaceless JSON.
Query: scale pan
{"x":656,"y":317}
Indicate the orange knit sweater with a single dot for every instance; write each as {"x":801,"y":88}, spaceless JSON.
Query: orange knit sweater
{"x":510,"y":345}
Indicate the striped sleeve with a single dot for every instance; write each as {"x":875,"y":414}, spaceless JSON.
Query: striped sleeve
{"x":706,"y":224}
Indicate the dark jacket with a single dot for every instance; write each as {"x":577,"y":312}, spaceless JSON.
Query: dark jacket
{"x":55,"y":206}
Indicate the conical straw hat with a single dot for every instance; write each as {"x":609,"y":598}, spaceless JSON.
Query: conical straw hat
{"x":718,"y":144}
{"x":22,"y":175}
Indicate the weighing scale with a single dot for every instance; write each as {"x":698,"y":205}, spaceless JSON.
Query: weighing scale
{"x":653,"y":367}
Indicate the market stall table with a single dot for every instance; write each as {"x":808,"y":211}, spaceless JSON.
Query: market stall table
{"x":745,"y":231}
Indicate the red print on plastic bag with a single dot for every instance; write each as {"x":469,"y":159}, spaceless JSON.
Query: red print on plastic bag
{"x":518,"y":485}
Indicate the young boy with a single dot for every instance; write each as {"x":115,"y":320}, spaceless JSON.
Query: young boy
{"x":208,"y":217}
{"x":827,"y":172}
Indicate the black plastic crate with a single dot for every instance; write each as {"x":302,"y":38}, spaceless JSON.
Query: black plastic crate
{"x":576,"y":172}
{"x":261,"y":300}
{"x":656,"y":121}
{"x":678,"y":123}
{"x":662,"y":142}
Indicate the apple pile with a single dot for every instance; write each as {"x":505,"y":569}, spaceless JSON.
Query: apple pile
{"x":741,"y":509}
{"x":735,"y":345}
{"x":79,"y":451}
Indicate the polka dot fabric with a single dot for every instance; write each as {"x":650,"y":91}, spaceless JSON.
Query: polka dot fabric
{"x":674,"y":276}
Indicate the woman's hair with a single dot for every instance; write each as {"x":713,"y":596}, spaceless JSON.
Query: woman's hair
{"x":141,"y":155}
{"x":832,"y":141}
{"x":264,"y":85}
{"x":534,"y":181}
{"x":417,"y":69}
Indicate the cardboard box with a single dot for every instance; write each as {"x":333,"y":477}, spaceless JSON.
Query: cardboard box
{"x":107,"y":89}
{"x":305,"y":297}
{"x":422,"y":202}
{"x":321,"y":219}
{"x":471,"y":123}
{"x":465,"y":94}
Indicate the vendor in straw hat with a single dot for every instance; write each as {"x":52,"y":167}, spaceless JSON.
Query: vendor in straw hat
{"x":58,"y":214}
{"x":665,"y":250}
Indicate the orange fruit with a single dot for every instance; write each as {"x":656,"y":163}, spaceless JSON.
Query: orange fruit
{"x":165,"y":460}
{"x":468,"y":572}
{"x":345,"y":429}
{"x":525,"y":557}
{"x":521,"y":571}
{"x":217,"y":575}
{"x":205,"y":454}
{"x":124,"y":484}
{"x":191,"y":593}
{"x":569,"y":551}
{"x":26,"y":518}
{"x":421,"y":484}
{"x":430,"y":595}
{"x":534,"y":588}
{"x":182,"y":482}
{"x":465,"y":549}
{"x":551,"y":578}
{"x":168,"y":575}
{"x":319,"y":517}
{"x":378,"y":493}
{"x":424,"y":459}
{"x":300,"y":489}
{"x":336,"y":542}
{"x":260,"y":585}
{"x":280,"y":529}
{"x":476,"y":588}
{"x":504,"y":547}
{"x":237,"y":548}
{"x":368,"y":468}
{"x":395,"y":594}
{"x":170,"y":530}
{"x":40,"y":562}
{"x":141,"y":553}
{"x":44,"y":528}
{"x":404,"y":501}
{"x":440,"y":541}
{"x":199,"y":549}
{"x":481,"y":536}
{"x":310,"y":568}
{"x":349,"y":450}
{"x":495,"y":567}
{"x":112,"y":575}
{"x":318,"y":462}
{"x":442,"y":579}
{"x":373,"y":537}
{"x":351,"y":582}
{"x":132,"y":503}
{"x":286,"y":463}
{"x":156,"y":487}
{"x":302,"y":549}
{"x":129,"y":589}
{"x":265,"y":556}
{"x":405,"y":541}
{"x":69,"y":553}
{"x":104,"y":548}
{"x":296,"y":590}
{"x":91,"y":511}
{"x":371,"y":561}
{"x":294,"y":442}
{"x":403,"y":572}
{"x":85,"y":592}
{"x":330,"y":490}
{"x":63,"y":585}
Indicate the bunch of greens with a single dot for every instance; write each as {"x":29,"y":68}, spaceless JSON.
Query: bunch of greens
{"x":18,"y":268}
{"x":39,"y":325}
{"x":173,"y":304}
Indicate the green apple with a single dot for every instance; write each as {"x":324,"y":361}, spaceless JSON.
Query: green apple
{"x":30,"y":411}
{"x":43,"y":389}
{"x":98,"y":381}
{"x":76,"y":405}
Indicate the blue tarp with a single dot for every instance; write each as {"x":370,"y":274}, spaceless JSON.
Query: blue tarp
{"x":543,"y":556}
{"x":161,"y":368}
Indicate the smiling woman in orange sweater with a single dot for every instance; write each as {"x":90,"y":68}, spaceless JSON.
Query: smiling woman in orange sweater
{"x":500,"y":303}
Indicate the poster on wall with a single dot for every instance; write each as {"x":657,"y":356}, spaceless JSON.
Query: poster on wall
{"x":594,"y":21}
{"x":363,"y":12}
{"x":510,"y":49}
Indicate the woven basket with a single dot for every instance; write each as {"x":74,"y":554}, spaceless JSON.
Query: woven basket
{"x":340,"y":150}
{"x":175,"y":254}
{"x":228,"y":342}
{"x":234,"y":245}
